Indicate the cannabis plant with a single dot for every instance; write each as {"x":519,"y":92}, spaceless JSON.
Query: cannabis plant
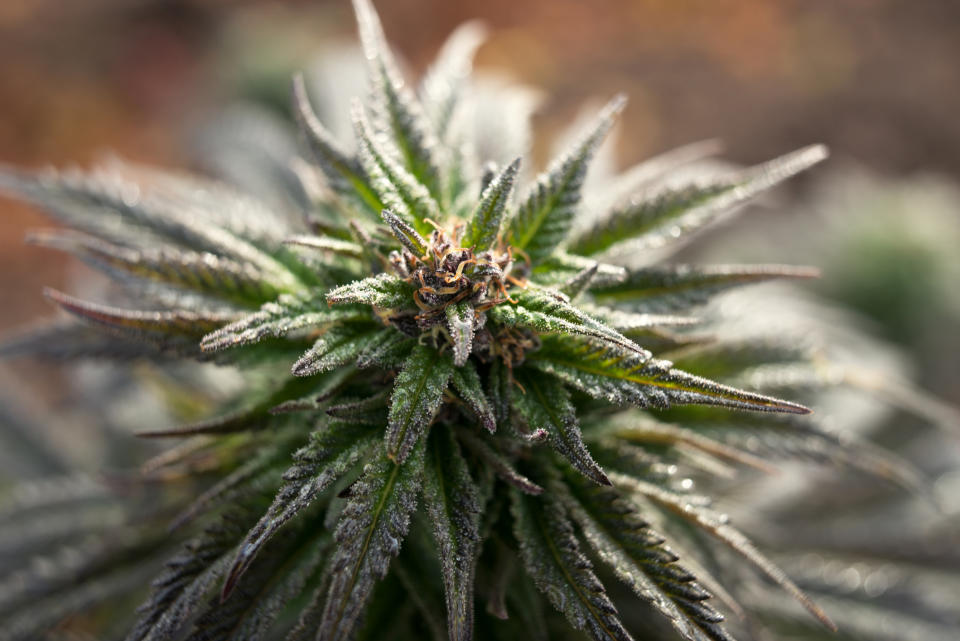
{"x":450,"y":403}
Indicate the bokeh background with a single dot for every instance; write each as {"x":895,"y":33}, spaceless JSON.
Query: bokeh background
{"x":877,"y":80}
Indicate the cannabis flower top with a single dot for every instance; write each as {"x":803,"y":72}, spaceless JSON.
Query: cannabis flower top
{"x":416,"y":328}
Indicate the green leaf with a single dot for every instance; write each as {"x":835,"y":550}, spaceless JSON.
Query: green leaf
{"x":289,"y":314}
{"x":399,"y":190}
{"x":561,"y":267}
{"x":417,"y":395}
{"x":139,"y":208}
{"x":461,"y":325}
{"x":498,"y":463}
{"x":551,"y":555}
{"x":466,"y":381}
{"x":343,"y":174}
{"x":655,"y":221}
{"x":337,"y":346}
{"x":385,"y":291}
{"x":406,"y":234}
{"x":326,"y":244}
{"x":623,"y":378}
{"x":265,"y":590}
{"x":332,"y":451}
{"x":547,"y":311}
{"x":372,"y":525}
{"x":718,"y":526}
{"x":543,"y":221}
{"x":396,"y":108}
{"x":453,"y":503}
{"x":443,"y":84}
{"x":202,"y":272}
{"x":543,"y":403}
{"x":677,"y":287}
{"x":484,"y":227}
{"x":637,"y":555}
{"x":388,"y":350}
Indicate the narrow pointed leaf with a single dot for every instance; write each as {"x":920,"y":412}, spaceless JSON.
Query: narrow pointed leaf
{"x":177,"y":322}
{"x":399,"y":190}
{"x":397,"y":109}
{"x":466,"y":381}
{"x":638,"y":556}
{"x":677,"y":287}
{"x":384,"y":291}
{"x":202,"y":272}
{"x":406,"y":234}
{"x":332,"y":245}
{"x":289,"y":314}
{"x":417,"y":395}
{"x":543,"y":220}
{"x":655,"y":221}
{"x":717,"y":526}
{"x":622,"y":378}
{"x":484,"y":227}
{"x":371,"y":528}
{"x":552,"y":557}
{"x":343,"y":173}
{"x":331,"y":452}
{"x":546,"y":405}
{"x":443,"y":84}
{"x":548,"y":311}
{"x":338,"y":346}
{"x":453,"y":503}
{"x":499,"y":464}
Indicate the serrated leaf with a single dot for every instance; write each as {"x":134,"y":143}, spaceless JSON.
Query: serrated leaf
{"x":253,"y":607}
{"x":176,"y":322}
{"x":385,"y":291}
{"x":443,"y":84}
{"x":558,"y":269}
{"x":399,"y":190}
{"x":371,"y":528}
{"x":499,"y":464}
{"x":484,"y":227}
{"x":543,"y":403}
{"x":332,"y":451}
{"x":466,"y":381}
{"x":638,"y":556}
{"x":110,"y":202}
{"x":552,"y":557}
{"x":717,"y":525}
{"x":453,"y":503}
{"x":332,"y":245}
{"x":68,"y":340}
{"x":461,"y":324}
{"x":653,"y":221}
{"x":396,"y":108}
{"x":543,"y":220}
{"x":388,"y":350}
{"x":343,"y":173}
{"x":178,"y":591}
{"x":547,"y":311}
{"x":406,"y":234}
{"x":337,"y":346}
{"x":621,"y":378}
{"x":288,"y":314}
{"x":417,"y":395}
{"x":677,"y":287}
{"x":201,"y":272}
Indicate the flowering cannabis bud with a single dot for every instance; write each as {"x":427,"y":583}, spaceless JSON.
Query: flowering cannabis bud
{"x":456,"y":380}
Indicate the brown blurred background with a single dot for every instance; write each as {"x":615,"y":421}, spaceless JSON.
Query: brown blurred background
{"x":877,"y":80}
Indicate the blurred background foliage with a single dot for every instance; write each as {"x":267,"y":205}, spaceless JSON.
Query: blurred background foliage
{"x":874,"y":79}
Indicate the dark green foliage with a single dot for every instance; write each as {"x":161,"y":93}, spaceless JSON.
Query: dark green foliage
{"x":411,"y":336}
